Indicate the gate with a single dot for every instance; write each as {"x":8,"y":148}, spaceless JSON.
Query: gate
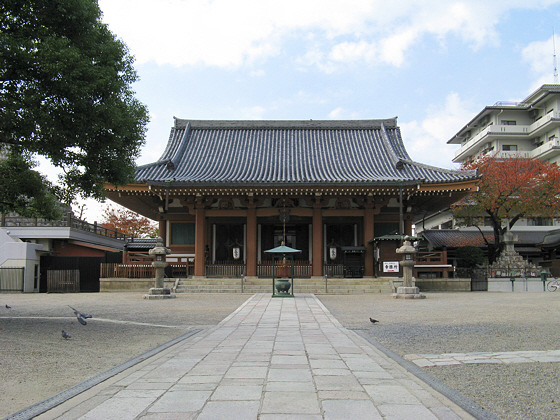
{"x":87,"y":267}
{"x":479,"y":280}
{"x":11,"y":279}
{"x":63,"y":281}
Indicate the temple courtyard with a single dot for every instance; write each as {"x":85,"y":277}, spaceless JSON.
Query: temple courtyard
{"x":451,"y":355}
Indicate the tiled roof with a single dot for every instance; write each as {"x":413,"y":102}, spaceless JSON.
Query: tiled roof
{"x":253,"y":153}
{"x":140,"y":243}
{"x":453,"y":238}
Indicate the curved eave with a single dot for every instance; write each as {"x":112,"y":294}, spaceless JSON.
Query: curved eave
{"x":325,"y":188}
{"x":470,"y":185}
{"x":128,"y":188}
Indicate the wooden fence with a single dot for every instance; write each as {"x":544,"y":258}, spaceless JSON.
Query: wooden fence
{"x":11,"y":279}
{"x":302,"y":269}
{"x":225,"y":270}
{"x":144,"y":271}
{"x":63,"y":281}
{"x":333,"y":270}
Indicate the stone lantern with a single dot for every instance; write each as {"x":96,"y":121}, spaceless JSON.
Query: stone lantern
{"x":408,"y":290}
{"x":159,"y":291}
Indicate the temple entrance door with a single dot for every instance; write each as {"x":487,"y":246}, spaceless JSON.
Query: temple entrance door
{"x":291,"y":237}
{"x":342,"y":233}
{"x":226,"y":237}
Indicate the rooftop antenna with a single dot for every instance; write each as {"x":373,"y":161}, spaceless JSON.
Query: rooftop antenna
{"x":554,"y":58}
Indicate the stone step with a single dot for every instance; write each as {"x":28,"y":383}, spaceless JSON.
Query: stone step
{"x":252,"y":285}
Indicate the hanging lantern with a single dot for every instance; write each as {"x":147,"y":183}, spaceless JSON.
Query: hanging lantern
{"x":332,"y":252}
{"x":236,"y":252}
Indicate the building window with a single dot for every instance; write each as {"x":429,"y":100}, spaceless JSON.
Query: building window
{"x":539,"y":221}
{"x":447,"y":225}
{"x":509,"y":147}
{"x":552,"y":138}
{"x":509,"y":122}
{"x":182,"y":233}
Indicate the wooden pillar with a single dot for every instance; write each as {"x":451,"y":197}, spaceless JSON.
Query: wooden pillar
{"x":408,"y":227}
{"x":444,"y":261}
{"x":251,"y":241}
{"x":200,"y":240}
{"x":368,"y":236}
{"x":163,"y":231}
{"x":317,"y":226}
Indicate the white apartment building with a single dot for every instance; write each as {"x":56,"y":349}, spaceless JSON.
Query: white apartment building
{"x":529,"y":129}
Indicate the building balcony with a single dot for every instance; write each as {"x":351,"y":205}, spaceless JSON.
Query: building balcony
{"x":544,"y":123}
{"x":547,"y":150}
{"x":486,"y":134}
{"x":510,"y":154}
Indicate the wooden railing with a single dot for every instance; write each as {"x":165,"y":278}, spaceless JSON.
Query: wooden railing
{"x":431,"y":258}
{"x":333,"y":270}
{"x":143,"y":271}
{"x":302,"y":269}
{"x":225,"y":269}
{"x":134,"y":257}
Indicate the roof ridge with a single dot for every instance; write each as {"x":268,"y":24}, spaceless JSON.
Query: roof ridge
{"x":307,"y":124}
{"x":173,"y":161}
{"x":395,"y":159}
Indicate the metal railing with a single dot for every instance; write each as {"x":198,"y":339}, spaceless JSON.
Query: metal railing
{"x":68,"y":221}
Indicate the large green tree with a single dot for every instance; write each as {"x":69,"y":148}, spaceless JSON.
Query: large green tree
{"x":65,"y":94}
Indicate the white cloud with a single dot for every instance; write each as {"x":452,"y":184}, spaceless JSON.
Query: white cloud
{"x":343,"y":114}
{"x":227,"y":33}
{"x":352,"y":51}
{"x":426,"y":141}
{"x":539,"y":56}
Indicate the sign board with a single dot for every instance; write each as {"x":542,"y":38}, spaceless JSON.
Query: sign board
{"x":390,"y":266}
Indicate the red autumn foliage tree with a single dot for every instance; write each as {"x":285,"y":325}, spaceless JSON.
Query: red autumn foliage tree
{"x":129,"y":222}
{"x":510,"y":189}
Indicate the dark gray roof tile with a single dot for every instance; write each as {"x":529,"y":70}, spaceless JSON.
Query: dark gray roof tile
{"x":252,"y":153}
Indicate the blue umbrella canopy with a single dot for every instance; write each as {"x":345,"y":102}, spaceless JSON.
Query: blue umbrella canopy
{"x":282,"y":249}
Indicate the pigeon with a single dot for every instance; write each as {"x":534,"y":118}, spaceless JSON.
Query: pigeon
{"x":80,"y":314}
{"x":373,"y":321}
{"x":8,"y":306}
{"x":81,"y":320}
{"x":65,"y":335}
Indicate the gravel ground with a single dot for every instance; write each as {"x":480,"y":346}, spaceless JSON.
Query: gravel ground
{"x":471,"y":322}
{"x":37,"y":362}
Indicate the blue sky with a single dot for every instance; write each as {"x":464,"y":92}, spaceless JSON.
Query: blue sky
{"x":432,"y":63}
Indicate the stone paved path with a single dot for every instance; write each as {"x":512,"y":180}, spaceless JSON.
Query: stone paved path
{"x":429,"y":360}
{"x":271,"y":359}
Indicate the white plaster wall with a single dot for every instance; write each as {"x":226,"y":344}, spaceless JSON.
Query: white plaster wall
{"x":16,"y":253}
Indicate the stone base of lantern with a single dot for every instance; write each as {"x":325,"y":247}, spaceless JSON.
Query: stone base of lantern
{"x":160,"y":293}
{"x":404,"y":292}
